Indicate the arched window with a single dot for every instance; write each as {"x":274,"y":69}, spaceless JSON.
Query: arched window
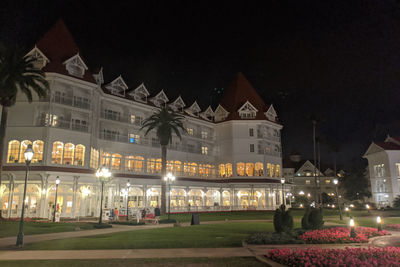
{"x":221,"y":170}
{"x":69,"y":150}
{"x":158,"y":165}
{"x":151,"y":165}
{"x":177,"y":167}
{"x":186,"y":168}
{"x":106,"y":159}
{"x":38,"y":146}
{"x":57,"y":152}
{"x":240,"y":168}
{"x":139,"y":164}
{"x":24,"y":146}
{"x":278,"y":171}
{"x":129,"y":163}
{"x":249,"y":169}
{"x":229,"y":169}
{"x":79,"y":155}
{"x":116,"y":161}
{"x":13,"y":151}
{"x":259,"y":169}
{"x":202,"y":170}
{"x":193,"y":169}
{"x":94,"y":158}
{"x":170,"y":166}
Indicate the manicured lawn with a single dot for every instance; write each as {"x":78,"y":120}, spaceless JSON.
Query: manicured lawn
{"x":202,"y":236}
{"x":32,"y":228}
{"x":235,"y":262}
{"x":222,"y":216}
{"x":366,"y":221}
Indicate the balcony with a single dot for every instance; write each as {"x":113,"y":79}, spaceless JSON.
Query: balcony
{"x":64,"y":124}
{"x":269,"y":153}
{"x":120,"y":118}
{"x":76,"y":102}
{"x":267,"y":136}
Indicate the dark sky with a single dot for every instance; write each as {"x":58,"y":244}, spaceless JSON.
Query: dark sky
{"x":339,"y":60}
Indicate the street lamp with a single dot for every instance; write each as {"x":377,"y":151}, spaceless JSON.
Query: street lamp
{"x":379,"y":222}
{"x":169,"y":178}
{"x":103,"y":174}
{"x":55,"y":200}
{"x":28,"y":158}
{"x":352,"y":230}
{"x":283,"y":185}
{"x":336,"y":181}
{"x":347,"y":210}
{"x":128,"y":184}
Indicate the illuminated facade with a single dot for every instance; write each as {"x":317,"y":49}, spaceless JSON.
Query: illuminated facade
{"x":230,"y":157}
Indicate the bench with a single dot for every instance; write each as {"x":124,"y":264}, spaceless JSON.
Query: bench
{"x":150,"y":218}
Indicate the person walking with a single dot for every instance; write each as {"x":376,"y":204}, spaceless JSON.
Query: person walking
{"x":157,"y":214}
{"x":116,"y":214}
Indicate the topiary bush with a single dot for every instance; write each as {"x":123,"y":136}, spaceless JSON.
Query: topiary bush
{"x":304,"y":221}
{"x":312,"y":219}
{"x":283,"y":220}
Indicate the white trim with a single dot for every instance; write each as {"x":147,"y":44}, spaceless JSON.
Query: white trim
{"x":76,"y":57}
{"x":160,"y":96}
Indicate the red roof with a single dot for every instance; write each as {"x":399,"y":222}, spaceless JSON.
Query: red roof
{"x":58,"y":45}
{"x":236,"y":95}
{"x":388,"y":145}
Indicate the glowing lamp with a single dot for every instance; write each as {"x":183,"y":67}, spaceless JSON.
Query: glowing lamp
{"x":335,"y":181}
{"x":378,"y":219}
{"x":28,"y":154}
{"x":57,"y":180}
{"x":351,"y":223}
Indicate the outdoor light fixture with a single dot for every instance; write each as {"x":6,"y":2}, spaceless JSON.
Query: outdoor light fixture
{"x":336,"y":181}
{"x":103,"y":174}
{"x":379,"y":222}
{"x":367,"y":207}
{"x":28,"y":158}
{"x":169,"y":178}
{"x":308,"y":195}
{"x":301,"y":205}
{"x":283,"y":195}
{"x":128,"y":184}
{"x":55,"y":199}
{"x":351,"y":206}
{"x":352,"y":230}
{"x":301,"y":193}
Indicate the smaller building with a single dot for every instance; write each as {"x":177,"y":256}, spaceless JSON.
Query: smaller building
{"x":384,"y":170}
{"x":302,"y":172}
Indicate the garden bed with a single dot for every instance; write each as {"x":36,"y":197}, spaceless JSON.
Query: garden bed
{"x":352,"y":257}
{"x":393,"y":227}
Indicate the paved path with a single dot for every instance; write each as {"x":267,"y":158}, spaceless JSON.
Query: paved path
{"x":10,"y":241}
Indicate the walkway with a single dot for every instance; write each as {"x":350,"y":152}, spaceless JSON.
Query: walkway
{"x":10,"y":241}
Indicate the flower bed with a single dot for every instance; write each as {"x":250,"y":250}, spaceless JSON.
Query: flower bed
{"x":395,"y":227}
{"x":337,"y":257}
{"x":340,"y":235}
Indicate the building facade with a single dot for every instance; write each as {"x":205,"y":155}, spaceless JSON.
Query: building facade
{"x":384,"y":170}
{"x":229,"y":158}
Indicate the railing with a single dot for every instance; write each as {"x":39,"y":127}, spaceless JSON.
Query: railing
{"x":270,"y":153}
{"x":64,"y":124}
{"x":70,"y":101}
{"x":120,"y":118}
{"x":268,"y":136}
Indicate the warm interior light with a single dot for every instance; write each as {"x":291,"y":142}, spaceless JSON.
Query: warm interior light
{"x":335,"y":181}
{"x":301,"y":193}
{"x":28,"y":153}
{"x":282,"y":180}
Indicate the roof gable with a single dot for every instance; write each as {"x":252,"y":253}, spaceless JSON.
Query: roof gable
{"x":117,"y":86}
{"x":99,"y":77}
{"x":247,"y":111}
{"x":271,"y":113}
{"x":308,"y":167}
{"x":220,"y":113}
{"x":194,"y":109}
{"x":178,"y":104}
{"x":160,"y":99}
{"x":41,"y":60}
{"x":140,"y":93}
{"x":75,"y":66}
{"x":208,"y":114}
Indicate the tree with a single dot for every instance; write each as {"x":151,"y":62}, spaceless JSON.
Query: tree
{"x":326,"y":199}
{"x":164,"y":122}
{"x":355,"y":182}
{"x":17,"y":75}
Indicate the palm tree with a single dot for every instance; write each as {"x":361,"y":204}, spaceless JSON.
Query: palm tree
{"x":17,"y":74}
{"x":165,"y":123}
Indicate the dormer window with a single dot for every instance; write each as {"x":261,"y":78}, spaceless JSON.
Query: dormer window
{"x":208,"y":114}
{"x":247,"y":111}
{"x":193,"y":110}
{"x":75,"y":66}
{"x":40,"y":59}
{"x":140,"y":93}
{"x":271,"y":114}
{"x":160,"y":99}
{"x":178,"y":105}
{"x":117,"y":87}
{"x":220,"y":113}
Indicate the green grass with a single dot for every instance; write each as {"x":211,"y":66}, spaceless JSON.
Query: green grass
{"x":365,"y":221}
{"x":201,"y":236}
{"x":222,"y":216}
{"x":234,"y":262}
{"x":33,"y":228}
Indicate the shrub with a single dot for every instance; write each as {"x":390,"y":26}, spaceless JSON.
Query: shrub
{"x":396,"y":202}
{"x":283,"y":220}
{"x":272,"y":238}
{"x":312,"y":219}
{"x":101,"y":226}
{"x":304,"y":221}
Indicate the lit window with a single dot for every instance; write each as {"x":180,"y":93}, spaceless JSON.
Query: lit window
{"x":24,"y":146}
{"x":38,"y":150}
{"x":204,"y":150}
{"x":397,"y":168}
{"x":116,"y":161}
{"x":69,"y":150}
{"x":308,"y":181}
{"x":204,"y":134}
{"x":259,"y":169}
{"x":221,"y":172}
{"x":379,"y":170}
{"x":270,"y":169}
{"x":79,"y":155}
{"x":240,"y":168}
{"x":57,"y":153}
{"x":133,"y":117}
{"x":106,"y":159}
{"x":249,"y":169}
{"x":134,"y":138}
{"x":327,"y":181}
{"x":13,"y":151}
{"x":278,"y":171}
{"x":190,"y":131}
{"x":94,"y":158}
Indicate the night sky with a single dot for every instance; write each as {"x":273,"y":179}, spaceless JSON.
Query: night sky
{"x":339,"y":60}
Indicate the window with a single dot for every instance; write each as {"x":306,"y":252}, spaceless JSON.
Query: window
{"x":270,"y":169}
{"x":24,"y":146}
{"x":278,"y":171}
{"x":249,"y":169}
{"x":221,"y":170}
{"x":38,"y":150}
{"x":116,"y":161}
{"x":13,"y":151}
{"x":251,"y":147}
{"x":190,"y":131}
{"x":153,"y":165}
{"x":106,"y":159}
{"x":190,"y":168}
{"x":139,"y":164}
{"x":57,"y":153}
{"x":204,"y":150}
{"x":79,"y":159}
{"x":259,"y":169}
{"x":134,"y":138}
{"x":379,"y":170}
{"x":204,"y":134}
{"x":69,"y":150}
{"x":327,"y":181}
{"x":112,"y":115}
{"x":94,"y":158}
{"x":240,"y":168}
{"x":133,"y":117}
{"x":308,"y":182}
{"x":251,"y":132}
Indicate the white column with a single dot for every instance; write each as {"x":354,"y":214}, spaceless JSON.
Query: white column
{"x":75,"y":189}
{"x":10,"y":196}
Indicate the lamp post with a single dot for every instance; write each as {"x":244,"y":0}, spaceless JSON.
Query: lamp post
{"x":128,"y":184}
{"x":55,"y":199}
{"x":336,"y":181}
{"x":103,"y":174}
{"x":169,"y":178}
{"x":347,"y":210}
{"x":368,"y":207}
{"x":379,"y":222}
{"x":283,"y":195}
{"x":352,"y":230}
{"x":28,"y":158}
